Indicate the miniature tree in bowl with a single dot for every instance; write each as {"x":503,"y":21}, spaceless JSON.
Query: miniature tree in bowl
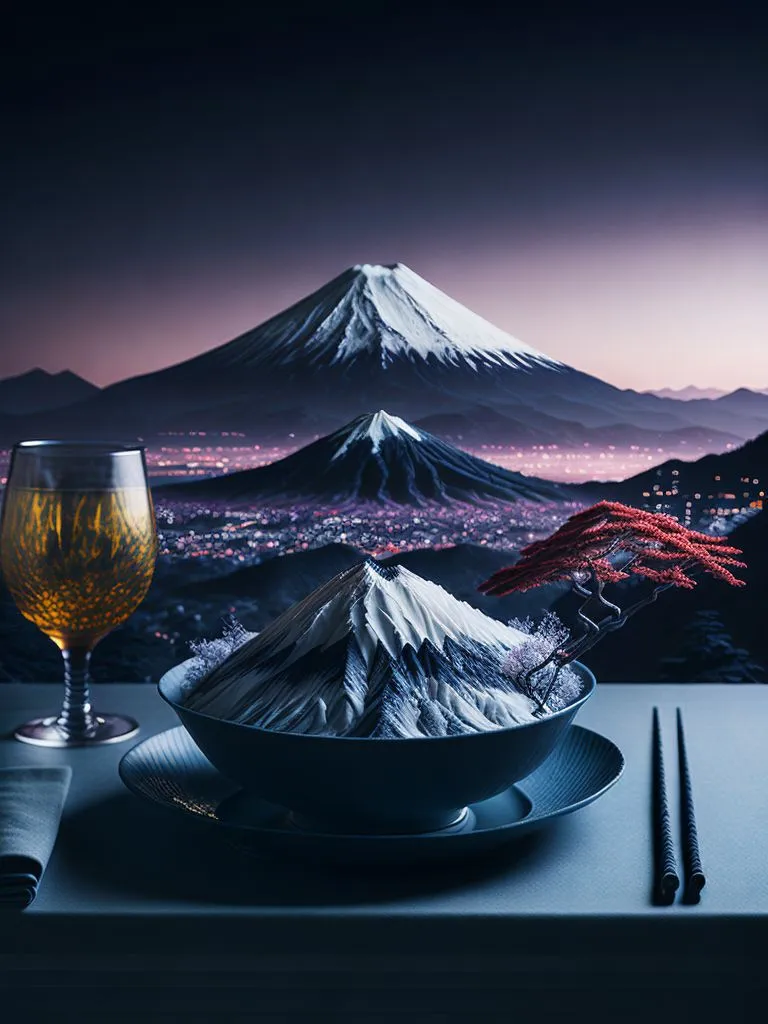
{"x":602,"y":545}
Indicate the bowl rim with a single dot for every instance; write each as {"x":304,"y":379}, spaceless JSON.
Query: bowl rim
{"x":172,"y":675}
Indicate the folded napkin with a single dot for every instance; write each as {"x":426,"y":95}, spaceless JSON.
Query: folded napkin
{"x":31,"y":802}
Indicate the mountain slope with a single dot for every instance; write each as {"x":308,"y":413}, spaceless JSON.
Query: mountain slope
{"x":288,"y":578}
{"x":379,"y":458}
{"x":373,"y":337}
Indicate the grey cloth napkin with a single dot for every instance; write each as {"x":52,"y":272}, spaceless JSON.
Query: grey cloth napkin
{"x":31,"y":801}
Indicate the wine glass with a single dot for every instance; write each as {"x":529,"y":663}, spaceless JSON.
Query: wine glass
{"x":78,"y":546}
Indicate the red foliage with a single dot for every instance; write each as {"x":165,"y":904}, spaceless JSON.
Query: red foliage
{"x":653,"y":545}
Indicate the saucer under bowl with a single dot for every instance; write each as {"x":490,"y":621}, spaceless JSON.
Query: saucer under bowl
{"x":360,"y":785}
{"x":171,"y":772}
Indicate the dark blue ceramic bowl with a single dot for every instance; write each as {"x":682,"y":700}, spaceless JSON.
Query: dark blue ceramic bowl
{"x":361,"y":785}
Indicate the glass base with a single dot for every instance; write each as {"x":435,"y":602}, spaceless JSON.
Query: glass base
{"x":44,"y":732}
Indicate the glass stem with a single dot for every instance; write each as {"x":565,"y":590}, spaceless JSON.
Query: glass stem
{"x":76,"y":717}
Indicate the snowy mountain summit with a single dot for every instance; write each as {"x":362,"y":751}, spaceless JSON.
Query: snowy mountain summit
{"x":375,"y":429}
{"x":385,"y":312}
{"x":376,"y":652}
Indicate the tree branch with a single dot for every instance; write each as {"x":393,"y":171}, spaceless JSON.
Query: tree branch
{"x":609,"y":625}
{"x":593,"y":631}
{"x":613,"y":608}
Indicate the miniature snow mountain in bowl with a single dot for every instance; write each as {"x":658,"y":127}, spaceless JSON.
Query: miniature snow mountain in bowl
{"x":378,"y":704}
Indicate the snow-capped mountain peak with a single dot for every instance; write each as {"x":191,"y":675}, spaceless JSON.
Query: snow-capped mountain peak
{"x":375,"y":428}
{"x":376,"y":457}
{"x":385,"y":314}
{"x":401,"y":315}
{"x":394,"y":607}
{"x":376,"y":651}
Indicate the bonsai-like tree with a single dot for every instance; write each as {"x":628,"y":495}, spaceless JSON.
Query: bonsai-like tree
{"x":605,"y":544}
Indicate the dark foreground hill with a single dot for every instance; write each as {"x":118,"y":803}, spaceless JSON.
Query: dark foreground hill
{"x":708,"y":476}
{"x":259,"y":593}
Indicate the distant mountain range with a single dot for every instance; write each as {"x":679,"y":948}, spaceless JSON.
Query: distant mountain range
{"x":39,"y":391}
{"x":376,"y":457}
{"x":516,"y":425}
{"x":383,"y":337}
{"x":688,"y":393}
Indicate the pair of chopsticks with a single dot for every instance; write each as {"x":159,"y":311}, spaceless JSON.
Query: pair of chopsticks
{"x":666,"y":879}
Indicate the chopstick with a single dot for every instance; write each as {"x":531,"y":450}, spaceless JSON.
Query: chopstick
{"x":666,"y":881}
{"x":694,"y":874}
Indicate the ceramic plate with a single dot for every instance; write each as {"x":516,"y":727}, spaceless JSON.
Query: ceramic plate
{"x":169,"y":769}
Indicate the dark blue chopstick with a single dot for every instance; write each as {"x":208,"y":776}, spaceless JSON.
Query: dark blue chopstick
{"x":694,"y":874}
{"x":666,"y":881}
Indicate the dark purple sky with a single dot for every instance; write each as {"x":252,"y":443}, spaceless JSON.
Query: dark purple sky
{"x":595,"y":184}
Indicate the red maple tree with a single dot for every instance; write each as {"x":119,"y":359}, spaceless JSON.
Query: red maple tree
{"x":604,"y":544}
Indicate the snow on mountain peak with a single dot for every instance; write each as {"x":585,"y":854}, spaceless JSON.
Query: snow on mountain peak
{"x":382,"y":312}
{"x":402,"y":609}
{"x":375,"y":428}
{"x":377,"y":651}
{"x":393,"y":308}
{"x":376,"y":269}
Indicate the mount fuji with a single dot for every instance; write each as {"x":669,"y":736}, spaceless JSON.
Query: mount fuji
{"x":377,"y":457}
{"x":378,"y":337}
{"x":383,"y":316}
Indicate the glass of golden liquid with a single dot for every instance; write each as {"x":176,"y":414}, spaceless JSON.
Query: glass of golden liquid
{"x":78,"y":545}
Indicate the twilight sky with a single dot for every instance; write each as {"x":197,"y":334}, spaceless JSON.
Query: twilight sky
{"x":595,"y":184}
